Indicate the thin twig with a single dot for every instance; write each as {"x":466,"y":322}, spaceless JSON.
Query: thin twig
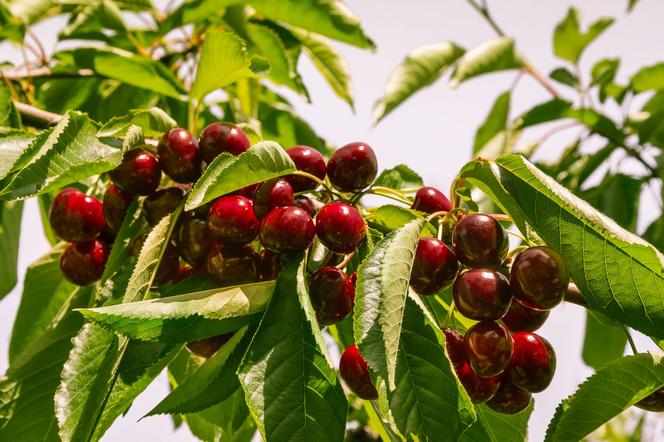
{"x":38,"y":117}
{"x":630,"y":339}
{"x":46,"y":72}
{"x":574,"y":295}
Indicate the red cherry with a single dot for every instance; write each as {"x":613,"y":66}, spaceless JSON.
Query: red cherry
{"x":539,"y":277}
{"x":247,"y":191}
{"x":434,"y":267}
{"x":306,"y":204}
{"x":489,"y":347}
{"x":652,"y":402}
{"x":482,"y":294}
{"x":332,"y":294}
{"x":272,"y":194}
{"x":306,"y":159}
{"x":233,"y":265}
{"x":287,"y":230}
{"x":116,"y":202}
{"x":431,"y":200}
{"x":138,"y":174}
{"x":221,"y":137}
{"x":355,"y":373}
{"x":523,"y":318}
{"x":83,"y":262}
{"x":193,"y":240}
{"x":479,"y":389}
{"x":509,"y":399}
{"x":187,"y":271}
{"x":208,"y":346}
{"x":456,"y":349}
{"x":77,"y":217}
{"x":340,"y":227}
{"x":480,"y":241}
{"x":352,"y":167}
{"x":162,"y":203}
{"x":232,"y":220}
{"x":178,"y":156}
{"x":533,"y":362}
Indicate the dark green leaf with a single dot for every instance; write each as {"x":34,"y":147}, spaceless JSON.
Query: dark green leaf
{"x":655,"y":233}
{"x":10,"y":232}
{"x":603,"y":342}
{"x":617,"y":196}
{"x":495,"y":122}
{"x":564,"y":76}
{"x":399,"y":177}
{"x":492,"y":426}
{"x":604,"y":71}
{"x":280,"y":124}
{"x":568,"y":40}
{"x":10,"y":26}
{"x":543,"y":113}
{"x":9,"y":117}
{"x":492,"y":56}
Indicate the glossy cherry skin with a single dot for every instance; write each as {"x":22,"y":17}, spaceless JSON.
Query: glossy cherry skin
{"x":83,"y":263}
{"x":489,"y":347}
{"x":523,"y":318}
{"x":480,"y":241}
{"x":509,"y":399}
{"x":116,"y":202}
{"x":539,"y":277}
{"x":193,"y":240}
{"x":221,"y":137}
{"x":287,"y":230}
{"x":482,"y":294}
{"x":340,"y":227}
{"x":77,"y":217}
{"x":232,"y":220}
{"x":479,"y":389}
{"x":652,"y":402}
{"x":431,"y":200}
{"x":169,"y":266}
{"x":332,"y":294}
{"x":162,"y":203}
{"x":354,"y":371}
{"x":231,"y":265}
{"x":208,"y":346}
{"x":178,"y":156}
{"x":272,"y":194}
{"x":306,"y":204}
{"x":434,"y":267}
{"x":306,"y":159}
{"x":456,"y":349}
{"x":271,"y":265}
{"x":352,"y":167}
{"x":138,"y":174}
{"x":533,"y":362}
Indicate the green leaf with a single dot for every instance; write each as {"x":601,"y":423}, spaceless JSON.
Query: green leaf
{"x":543,"y":113}
{"x":281,"y":124}
{"x":10,"y":232}
{"x":604,"y":71}
{"x":564,"y":76}
{"x":655,"y":233}
{"x":492,"y":426}
{"x":290,"y":386}
{"x":604,"y":395}
{"x":10,"y":26}
{"x":494,"y":55}
{"x":153,"y":123}
{"x":631,"y":4}
{"x":494,"y":123}
{"x":389,"y":217}
{"x":9,"y":117}
{"x":419,"y":69}
{"x":617,"y":196}
{"x":603,"y":342}
{"x":399,"y":177}
{"x":568,"y":40}
{"x":649,"y":77}
{"x":380,"y":299}
{"x":30,"y":11}
{"x":227,"y":173}
{"x":12,"y":145}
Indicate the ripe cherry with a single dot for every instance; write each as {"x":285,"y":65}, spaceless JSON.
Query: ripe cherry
{"x":287,"y":230}
{"x":193,"y":240}
{"x":306,"y":204}
{"x":332,"y":294}
{"x":509,"y":399}
{"x":489,"y":347}
{"x":479,"y":389}
{"x":652,"y":402}
{"x":162,"y":203}
{"x":354,"y":371}
{"x":169,"y":265}
{"x":480,"y":241}
{"x":77,"y":217}
{"x":306,"y":159}
{"x":523,"y":318}
{"x":456,"y":349}
{"x":272,"y":194}
{"x":116,"y":202}
{"x":231,"y":265}
{"x":352,"y":167}
{"x":208,"y":346}
{"x":431,"y":200}
{"x":482,"y":294}
{"x":434,"y":267}
{"x":178,"y":156}
{"x":83,"y":262}
{"x":221,"y":137}
{"x":139,"y":173}
{"x":533,"y":362}
{"x":340,"y":227}
{"x":271,"y":265}
{"x":539,"y":277}
{"x":232,"y":220}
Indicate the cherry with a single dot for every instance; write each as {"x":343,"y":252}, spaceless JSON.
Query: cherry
{"x":482,"y":294}
{"x":539,"y":277}
{"x":232,"y":265}
{"x":178,"y":156}
{"x":652,"y":402}
{"x":522,"y":318}
{"x":533,"y":362}
{"x":272,"y":194}
{"x":489,"y":346}
{"x":232,"y":220}
{"x":247,"y":191}
{"x":193,"y":240}
{"x":162,"y":203}
{"x":169,"y":265}
{"x":186,"y":271}
{"x":221,"y":137}
{"x":83,"y":262}
{"x":456,"y":349}
{"x":116,"y":202}
{"x":270,"y":265}
{"x":208,"y":346}
{"x":77,"y":217}
{"x":287,"y":230}
{"x":306,"y":204}
{"x":352,"y":167}
{"x":139,"y":173}
{"x":306,"y":159}
{"x":480,"y":241}
{"x":355,"y":373}
{"x":479,"y":389}
{"x":509,"y":399}
{"x":434,"y":267}
{"x":340,"y":227}
{"x":332,"y":294}
{"x":431,"y":200}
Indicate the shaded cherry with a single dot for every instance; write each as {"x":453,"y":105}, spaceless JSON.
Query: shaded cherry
{"x":222,"y":137}
{"x":232,"y":220}
{"x":434,"y":267}
{"x":193,"y":240}
{"x":287,"y":230}
{"x":489,"y":347}
{"x":482,"y":294}
{"x":332,"y":294}
{"x":533,"y":362}
{"x":354,"y":371}
{"x":340,"y":227}
{"x":272,"y":194}
{"x":116,"y":202}
{"x":139,"y":173}
{"x":187,"y":271}
{"x":77,"y":217}
{"x":271,"y":265}
{"x":247,"y":191}
{"x":509,"y":399}
{"x":208,"y":346}
{"x":539,"y":277}
{"x":456,"y":349}
{"x":83,"y":262}
{"x":232,"y":265}
{"x":169,"y":265}
{"x":431,"y":200}
{"x":523,"y":318}
{"x":306,"y":159}
{"x":652,"y":402}
{"x":352,"y":167}
{"x":178,"y":156}
{"x":162,"y":203}
{"x":480,"y":241}
{"x":479,"y":389}
{"x":306,"y":204}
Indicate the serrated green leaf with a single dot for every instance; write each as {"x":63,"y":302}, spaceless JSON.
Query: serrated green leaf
{"x":12,"y":145}
{"x":10,"y":232}
{"x":281,"y":124}
{"x":568,"y":40}
{"x":399,"y":177}
{"x":602,"y":342}
{"x":617,"y":196}
{"x":492,"y":426}
{"x":495,"y":122}
{"x":494,"y":55}
{"x":153,"y":122}
{"x":92,"y":18}
{"x":9,"y":117}
{"x":649,"y":77}
{"x":543,"y":113}
{"x":564,"y":76}
{"x":655,"y":233}
{"x":389,"y":217}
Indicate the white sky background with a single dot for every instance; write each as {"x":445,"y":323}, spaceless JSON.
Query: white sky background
{"x":433,"y":133}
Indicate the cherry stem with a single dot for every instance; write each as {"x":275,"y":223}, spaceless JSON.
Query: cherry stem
{"x":574,"y":295}
{"x":454,"y":198}
{"x":450,"y":314}
{"x":345,"y":261}
{"x":442,"y":213}
{"x":518,"y":235}
{"x":391,"y":195}
{"x":629,"y":339}
{"x":319,"y":181}
{"x":500,"y":217}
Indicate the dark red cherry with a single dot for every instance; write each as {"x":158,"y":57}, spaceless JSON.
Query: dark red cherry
{"x":306,"y":159}
{"x":178,"y":156}
{"x":434,"y":267}
{"x":355,"y":373}
{"x":193,"y":240}
{"x":208,"y":346}
{"x":523,"y":318}
{"x":187,"y":271}
{"x":221,"y":137}
{"x":533,"y":362}
{"x":480,"y":241}
{"x":116,"y":202}
{"x":652,"y":402}
{"x":77,"y":217}
{"x":162,"y":203}
{"x":431,"y":200}
{"x":482,"y":294}
{"x":306,"y":204}
{"x":479,"y":389}
{"x":271,"y":265}
{"x":352,"y":167}
{"x":231,"y":265}
{"x":83,"y":262}
{"x":139,"y":173}
{"x":287,"y":230}
{"x":489,"y":347}
{"x":169,"y":265}
{"x":247,"y":191}
{"x":509,"y":399}
{"x":539,"y":277}
{"x":272,"y":194}
{"x":232,"y":220}
{"x":332,"y":294}
{"x":340,"y":227}
{"x":456,"y":349}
